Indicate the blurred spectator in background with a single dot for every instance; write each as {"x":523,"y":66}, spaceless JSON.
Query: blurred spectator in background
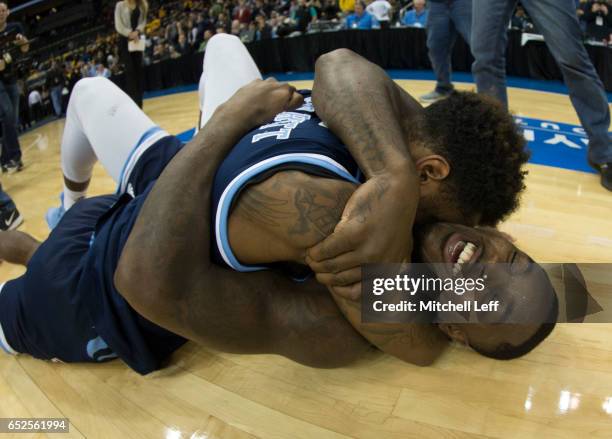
{"x":249,"y":33}
{"x":330,"y":10}
{"x":102,"y":71}
{"x":360,"y":19}
{"x":130,"y":22}
{"x":9,"y":93}
{"x":598,"y":20}
{"x":242,"y":12}
{"x":381,"y":11}
{"x":416,"y":17}
{"x":303,"y":15}
{"x":208,"y":34}
{"x":558,"y":23}
{"x":24,"y":108}
{"x":521,"y":21}
{"x":264,"y":31}
{"x":182,"y":46}
{"x":446,"y":19}
{"x":235,"y":30}
{"x":55,"y":83}
{"x":347,"y":6}
{"x":35,"y":104}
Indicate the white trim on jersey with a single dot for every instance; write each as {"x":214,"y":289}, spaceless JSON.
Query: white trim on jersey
{"x":228,"y":195}
{"x":135,"y":155}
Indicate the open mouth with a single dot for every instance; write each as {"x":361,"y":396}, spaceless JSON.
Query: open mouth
{"x":461,"y":252}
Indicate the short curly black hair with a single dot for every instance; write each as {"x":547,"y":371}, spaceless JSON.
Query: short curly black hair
{"x":486,"y":152}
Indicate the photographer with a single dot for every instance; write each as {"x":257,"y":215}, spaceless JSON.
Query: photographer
{"x":13,"y":43}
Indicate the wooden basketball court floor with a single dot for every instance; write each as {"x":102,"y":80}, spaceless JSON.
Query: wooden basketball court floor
{"x":562,"y":389}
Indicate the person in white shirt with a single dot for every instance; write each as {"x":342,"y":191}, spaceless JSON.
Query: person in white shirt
{"x":381,"y":10}
{"x":130,"y":22}
{"x":35,"y":104}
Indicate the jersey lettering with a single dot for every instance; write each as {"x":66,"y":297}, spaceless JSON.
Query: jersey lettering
{"x":286,"y":122}
{"x":307,"y":105}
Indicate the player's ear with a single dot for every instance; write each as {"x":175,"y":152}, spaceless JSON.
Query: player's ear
{"x":432,"y":168}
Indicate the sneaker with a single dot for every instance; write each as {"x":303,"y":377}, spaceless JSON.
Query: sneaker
{"x":433,"y":96}
{"x":11,"y":167}
{"x":10,"y":219}
{"x":55,"y":214}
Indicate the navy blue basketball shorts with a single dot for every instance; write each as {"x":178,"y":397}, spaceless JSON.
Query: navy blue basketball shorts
{"x":43,"y":313}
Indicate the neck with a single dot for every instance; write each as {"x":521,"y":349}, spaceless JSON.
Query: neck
{"x":2,"y":26}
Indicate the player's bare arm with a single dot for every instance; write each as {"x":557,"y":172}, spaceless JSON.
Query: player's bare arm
{"x":171,"y":281}
{"x":168,"y":248}
{"x":278,"y":219}
{"x":375,"y":130}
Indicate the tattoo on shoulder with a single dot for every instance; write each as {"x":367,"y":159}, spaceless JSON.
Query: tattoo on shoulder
{"x":318,"y":211}
{"x":260,"y":207}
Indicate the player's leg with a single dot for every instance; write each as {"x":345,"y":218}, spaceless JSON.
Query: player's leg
{"x":17,"y":247}
{"x":102,"y":123}
{"x":228,"y":66}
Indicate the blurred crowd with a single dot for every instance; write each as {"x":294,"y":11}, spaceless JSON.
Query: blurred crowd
{"x":176,"y":28}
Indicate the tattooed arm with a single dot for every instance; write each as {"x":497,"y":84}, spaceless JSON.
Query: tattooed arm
{"x":166,"y":275}
{"x":372,"y":115}
{"x":374,"y":118}
{"x":279,"y":218}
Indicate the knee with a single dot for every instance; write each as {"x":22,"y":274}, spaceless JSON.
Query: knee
{"x":87,"y":88}
{"x":222,"y":39}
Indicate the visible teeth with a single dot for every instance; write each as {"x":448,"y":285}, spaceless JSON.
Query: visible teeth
{"x":465,"y":256}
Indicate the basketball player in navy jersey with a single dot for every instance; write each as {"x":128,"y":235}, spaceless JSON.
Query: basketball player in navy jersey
{"x":156,"y":259}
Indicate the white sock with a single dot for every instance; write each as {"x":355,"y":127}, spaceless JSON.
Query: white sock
{"x":71,"y":197}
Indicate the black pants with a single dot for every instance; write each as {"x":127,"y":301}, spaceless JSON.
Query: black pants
{"x":9,"y":117}
{"x":133,"y":71}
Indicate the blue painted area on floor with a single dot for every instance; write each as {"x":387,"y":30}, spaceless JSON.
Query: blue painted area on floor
{"x":187,"y":135}
{"x":556,"y":144}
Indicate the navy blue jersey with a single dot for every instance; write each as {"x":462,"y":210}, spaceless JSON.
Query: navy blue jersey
{"x":296,"y":140}
{"x":88,"y":320}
